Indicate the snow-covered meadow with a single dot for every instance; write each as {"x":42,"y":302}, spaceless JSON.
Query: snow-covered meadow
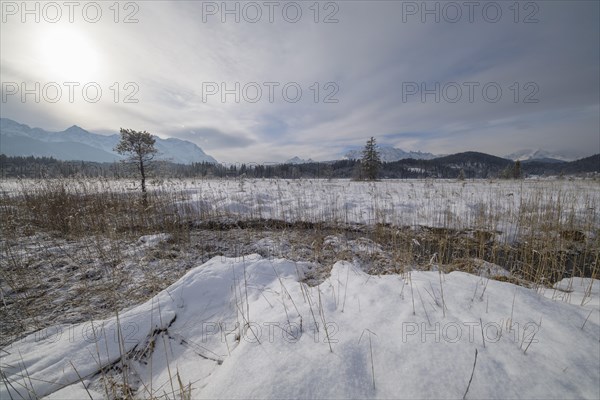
{"x":487,"y":204}
{"x":295,"y":313}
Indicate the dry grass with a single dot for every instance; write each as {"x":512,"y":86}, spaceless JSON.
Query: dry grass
{"x":552,"y":233}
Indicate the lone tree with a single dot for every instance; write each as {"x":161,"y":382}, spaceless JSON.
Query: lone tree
{"x":139,"y":149}
{"x":514,"y":171}
{"x":370,"y":161}
{"x":517,"y":170}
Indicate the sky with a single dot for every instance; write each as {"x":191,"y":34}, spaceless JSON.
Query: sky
{"x":269,"y":80}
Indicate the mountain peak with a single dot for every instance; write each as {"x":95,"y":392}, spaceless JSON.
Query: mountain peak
{"x":537,"y":154}
{"x":76,"y":129}
{"x":298,"y":160}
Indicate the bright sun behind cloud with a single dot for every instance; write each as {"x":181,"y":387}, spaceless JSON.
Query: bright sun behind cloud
{"x":67,"y":54}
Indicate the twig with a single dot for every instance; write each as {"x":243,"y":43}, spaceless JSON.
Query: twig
{"x":424,"y":309}
{"x":81,"y":380}
{"x":371,"y":350}
{"x":512,"y":310}
{"x":482,"y":335}
{"x":471,"y":379}
{"x":531,"y":341}
{"x":346,"y":288}
{"x":584,"y":322}
{"x":324,"y":322}
{"x":442,"y":290}
{"x":412,"y":294}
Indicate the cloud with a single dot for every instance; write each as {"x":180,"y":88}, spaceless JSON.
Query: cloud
{"x":364,"y":61}
{"x":211,"y":138}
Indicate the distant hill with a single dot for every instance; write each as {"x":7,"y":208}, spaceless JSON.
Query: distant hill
{"x":481,"y":165}
{"x":473,"y":165}
{"x":469,"y":158}
{"x":469,"y":164}
{"x":544,"y":160}
{"x":76,"y":143}
{"x":587,"y":164}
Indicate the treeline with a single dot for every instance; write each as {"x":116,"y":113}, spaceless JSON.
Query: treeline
{"x":48,"y":167}
{"x":457,"y":166}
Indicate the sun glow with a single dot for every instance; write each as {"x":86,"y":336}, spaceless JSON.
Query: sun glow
{"x":68,"y":55}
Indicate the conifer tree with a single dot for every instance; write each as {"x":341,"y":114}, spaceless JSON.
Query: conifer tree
{"x":370,"y":162}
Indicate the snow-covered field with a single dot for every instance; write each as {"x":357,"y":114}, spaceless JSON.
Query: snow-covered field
{"x":248,"y":328}
{"x":293,"y":326}
{"x":491,"y":204}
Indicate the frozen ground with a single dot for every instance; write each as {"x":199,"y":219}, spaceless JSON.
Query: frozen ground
{"x":248,"y":328}
{"x":350,"y":307}
{"x":46,"y":280}
{"x":492,"y":204}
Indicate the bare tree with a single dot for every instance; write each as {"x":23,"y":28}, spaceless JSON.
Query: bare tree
{"x":139,"y":149}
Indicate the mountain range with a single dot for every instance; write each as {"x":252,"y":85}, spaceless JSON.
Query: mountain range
{"x":298,"y":160}
{"x":538,"y":154}
{"x":391,"y":154}
{"x":76,"y":143}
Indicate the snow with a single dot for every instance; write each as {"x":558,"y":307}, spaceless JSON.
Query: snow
{"x":248,"y":327}
{"x":254,"y":327}
{"x":536,"y":154}
{"x":153,"y":240}
{"x":583,"y":291}
{"x":298,"y":160}
{"x":499,"y":205}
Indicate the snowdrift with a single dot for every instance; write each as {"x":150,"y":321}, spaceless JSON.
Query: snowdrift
{"x":249,"y":328}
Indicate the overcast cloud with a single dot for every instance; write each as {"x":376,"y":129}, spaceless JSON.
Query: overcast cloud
{"x":371,"y":64}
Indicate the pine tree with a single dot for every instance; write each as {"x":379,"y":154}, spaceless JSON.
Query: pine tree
{"x":370,"y":161}
{"x":517,"y":170}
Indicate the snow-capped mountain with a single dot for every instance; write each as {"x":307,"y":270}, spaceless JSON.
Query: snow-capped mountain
{"x":298,"y":160}
{"x":538,"y":154}
{"x":390,"y":154}
{"x":76,"y":143}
